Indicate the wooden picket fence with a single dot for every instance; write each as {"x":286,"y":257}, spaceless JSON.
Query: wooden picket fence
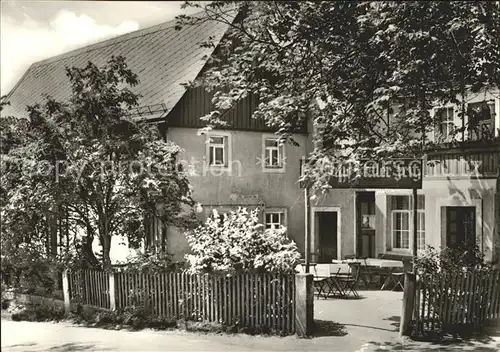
{"x":445,"y":302}
{"x":89,"y":287}
{"x":262,"y":301}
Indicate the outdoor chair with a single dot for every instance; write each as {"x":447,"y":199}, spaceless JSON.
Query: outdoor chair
{"x":341,"y":278}
{"x":399,"y":279}
{"x":349,"y":282}
{"x":365,"y":274}
{"x":396,"y":279}
{"x":322,"y":281}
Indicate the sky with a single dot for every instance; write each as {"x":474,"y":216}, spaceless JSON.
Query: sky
{"x":35,"y":30}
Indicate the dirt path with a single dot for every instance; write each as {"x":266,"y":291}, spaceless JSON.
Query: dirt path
{"x":31,"y":337}
{"x":365,"y":325}
{"x":373,"y":322}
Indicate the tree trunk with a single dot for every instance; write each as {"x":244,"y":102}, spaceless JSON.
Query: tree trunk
{"x":106,"y":248}
{"x":164,"y":230}
{"x":88,"y":253}
{"x":53,"y":234}
{"x":105,"y":238}
{"x":496,"y":230}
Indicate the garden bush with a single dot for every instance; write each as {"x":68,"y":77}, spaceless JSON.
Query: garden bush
{"x":36,"y":312}
{"x":439,"y":271}
{"x":451,"y":260}
{"x":238,"y":242}
{"x":26,"y":270}
{"x":5,"y":301}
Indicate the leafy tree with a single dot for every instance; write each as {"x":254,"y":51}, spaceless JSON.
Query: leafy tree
{"x":238,"y":242}
{"x":368,"y":71}
{"x":25,"y":255}
{"x":87,"y":163}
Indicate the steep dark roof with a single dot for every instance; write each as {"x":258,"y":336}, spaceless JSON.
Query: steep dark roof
{"x":161,"y":56}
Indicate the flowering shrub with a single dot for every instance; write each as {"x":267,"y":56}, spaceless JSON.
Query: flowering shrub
{"x":450,"y":260}
{"x":238,"y":242}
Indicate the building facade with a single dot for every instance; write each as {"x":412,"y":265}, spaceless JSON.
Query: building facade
{"x":457,"y":205}
{"x":458,"y":202}
{"x":245,"y":165}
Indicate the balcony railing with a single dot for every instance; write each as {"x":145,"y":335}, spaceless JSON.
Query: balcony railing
{"x":478,"y":161}
{"x":481,"y":160}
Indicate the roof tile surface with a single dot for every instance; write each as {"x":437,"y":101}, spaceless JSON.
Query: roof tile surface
{"x":161,"y":56}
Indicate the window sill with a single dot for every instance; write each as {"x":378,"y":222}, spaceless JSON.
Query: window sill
{"x":404,"y":252}
{"x":399,"y":251}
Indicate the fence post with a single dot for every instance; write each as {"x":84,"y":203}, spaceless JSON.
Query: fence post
{"x":112,"y":299}
{"x":304,"y":304}
{"x":408,"y":304}
{"x":65,"y":284}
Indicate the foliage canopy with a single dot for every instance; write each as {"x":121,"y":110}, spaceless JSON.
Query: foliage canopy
{"x":368,"y":72}
{"x":86,"y":168}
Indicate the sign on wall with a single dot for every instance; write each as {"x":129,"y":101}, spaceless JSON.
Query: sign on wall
{"x":401,"y":173}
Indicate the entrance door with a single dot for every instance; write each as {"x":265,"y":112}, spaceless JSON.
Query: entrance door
{"x":327,"y":235}
{"x":461,"y":227}
{"x":365,"y":224}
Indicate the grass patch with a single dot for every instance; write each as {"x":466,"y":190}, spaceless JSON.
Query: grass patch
{"x":217,"y":328}
{"x":35,"y":312}
{"x":118,"y":320}
{"x":129,"y":319}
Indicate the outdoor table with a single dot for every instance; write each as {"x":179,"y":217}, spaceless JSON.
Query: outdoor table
{"x":345,"y":276}
{"x":387,"y":268}
{"x":325,"y":281}
{"x":346,"y":261}
{"x":384,"y":263}
{"x":336,"y":285}
{"x":381,"y":267}
{"x":311,"y":265}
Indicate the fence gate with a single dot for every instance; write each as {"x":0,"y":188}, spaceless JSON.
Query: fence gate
{"x":444,"y":302}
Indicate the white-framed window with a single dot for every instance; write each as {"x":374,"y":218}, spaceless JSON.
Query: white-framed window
{"x":402,"y":222}
{"x":420,"y":229}
{"x":217,"y":155}
{"x":275,"y":218}
{"x":273,"y":154}
{"x":218,"y":149}
{"x":400,"y":229}
{"x":445,"y":118}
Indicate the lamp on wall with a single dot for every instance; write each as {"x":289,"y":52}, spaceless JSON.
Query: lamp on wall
{"x":199,"y":208}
